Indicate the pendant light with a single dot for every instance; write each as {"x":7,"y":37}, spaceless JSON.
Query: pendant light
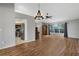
{"x":38,"y":16}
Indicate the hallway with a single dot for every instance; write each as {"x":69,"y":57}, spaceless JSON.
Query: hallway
{"x":47,"y":46}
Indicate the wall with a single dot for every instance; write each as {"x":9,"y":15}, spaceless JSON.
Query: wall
{"x":30,"y":29}
{"x":73,"y":29}
{"x":7,"y":25}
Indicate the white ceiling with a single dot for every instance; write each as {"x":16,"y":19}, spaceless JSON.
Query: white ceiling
{"x":59,"y":11}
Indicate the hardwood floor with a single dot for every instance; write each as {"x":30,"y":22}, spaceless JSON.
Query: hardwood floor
{"x":47,"y":46}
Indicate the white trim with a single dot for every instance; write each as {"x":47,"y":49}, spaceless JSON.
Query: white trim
{"x":30,"y":40}
{"x":17,"y":44}
{"x":8,"y":46}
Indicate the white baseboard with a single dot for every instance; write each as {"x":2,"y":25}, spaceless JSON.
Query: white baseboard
{"x":74,"y":37}
{"x":15,"y":44}
{"x":30,"y":40}
{"x":8,"y":46}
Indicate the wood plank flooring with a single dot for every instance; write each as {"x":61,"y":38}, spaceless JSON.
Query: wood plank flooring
{"x":47,"y":46}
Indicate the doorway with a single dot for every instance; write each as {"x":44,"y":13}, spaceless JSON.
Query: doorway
{"x":20,"y":33}
{"x":44,"y":29}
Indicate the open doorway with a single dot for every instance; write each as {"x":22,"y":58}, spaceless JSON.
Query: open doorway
{"x":21,"y":28}
{"x":20,"y":32}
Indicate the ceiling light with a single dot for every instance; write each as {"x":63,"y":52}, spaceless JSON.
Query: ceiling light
{"x":39,"y":16}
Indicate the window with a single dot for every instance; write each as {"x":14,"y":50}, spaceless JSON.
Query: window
{"x":56,"y":28}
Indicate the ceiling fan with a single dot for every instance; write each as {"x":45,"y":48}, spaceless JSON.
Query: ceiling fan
{"x":47,"y":16}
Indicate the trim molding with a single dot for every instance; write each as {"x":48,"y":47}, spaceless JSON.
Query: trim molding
{"x":30,"y":40}
{"x":8,"y":46}
{"x":73,"y":38}
{"x":16,"y":45}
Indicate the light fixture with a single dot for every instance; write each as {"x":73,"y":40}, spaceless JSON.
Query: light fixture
{"x":47,"y":16}
{"x":38,"y":16}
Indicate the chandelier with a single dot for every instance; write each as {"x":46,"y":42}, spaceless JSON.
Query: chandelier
{"x":38,"y":16}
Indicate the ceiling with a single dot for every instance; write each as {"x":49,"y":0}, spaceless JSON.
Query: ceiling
{"x":59,"y":11}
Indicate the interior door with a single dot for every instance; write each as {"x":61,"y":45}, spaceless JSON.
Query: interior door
{"x":44,"y":30}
